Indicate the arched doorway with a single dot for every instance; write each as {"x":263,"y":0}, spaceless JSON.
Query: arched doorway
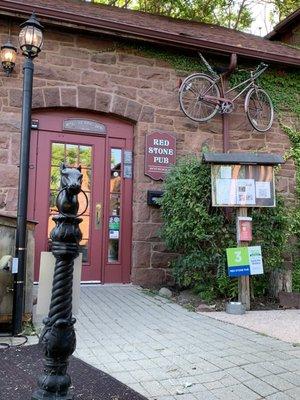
{"x":103,"y":148}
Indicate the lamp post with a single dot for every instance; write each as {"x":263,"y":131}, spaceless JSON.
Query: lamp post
{"x":31,"y":41}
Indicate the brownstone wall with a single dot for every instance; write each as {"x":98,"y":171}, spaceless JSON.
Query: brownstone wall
{"x":86,"y":72}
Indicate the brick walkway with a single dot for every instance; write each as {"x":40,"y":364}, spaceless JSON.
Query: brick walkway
{"x":165,"y":352}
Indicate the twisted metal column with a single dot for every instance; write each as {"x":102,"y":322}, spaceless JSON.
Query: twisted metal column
{"x":58,"y":336}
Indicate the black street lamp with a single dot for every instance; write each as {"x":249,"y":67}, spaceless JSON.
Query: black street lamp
{"x":31,"y":41}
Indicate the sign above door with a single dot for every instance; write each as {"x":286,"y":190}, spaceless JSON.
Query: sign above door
{"x":160,"y":154}
{"x":84,"y":125}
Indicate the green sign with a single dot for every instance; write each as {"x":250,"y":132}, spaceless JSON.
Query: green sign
{"x":114,"y":223}
{"x":243,"y":261}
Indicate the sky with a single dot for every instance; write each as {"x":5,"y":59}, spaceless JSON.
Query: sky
{"x":261,"y":24}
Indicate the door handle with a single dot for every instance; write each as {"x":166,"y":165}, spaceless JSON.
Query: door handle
{"x":98,"y":215}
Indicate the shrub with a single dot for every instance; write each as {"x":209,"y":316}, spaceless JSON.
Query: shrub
{"x":200,"y":233}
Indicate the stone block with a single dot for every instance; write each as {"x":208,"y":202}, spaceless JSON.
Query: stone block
{"x":126,"y":91}
{"x":141,"y":254}
{"x":15,"y":149}
{"x":38,"y":99}
{"x":93,"y":42}
{"x":289,"y":300}
{"x":154,"y":74}
{"x":3,"y":194}
{"x":133,"y":110}
{"x":9,"y":176}
{"x":45,"y":72}
{"x":129,"y":70}
{"x":3,"y":156}
{"x":147,"y":114}
{"x":141,"y":212}
{"x":58,"y":60}
{"x":4,"y":139}
{"x":146,"y":232}
{"x":11,"y":200}
{"x":135,"y":60}
{"x":74,"y":52}
{"x":148,"y":277}
{"x":68,"y":97}
{"x":282,"y":185}
{"x":104,"y":58}
{"x":15,"y":97}
{"x":95,"y":78}
{"x":162,"y":260}
{"x":118,"y":105}
{"x":137,"y":83}
{"x":156,"y":215}
{"x":159,"y":98}
{"x":103,"y":102}
{"x":86,"y":97}
{"x":252,"y":144}
{"x":52,"y":96}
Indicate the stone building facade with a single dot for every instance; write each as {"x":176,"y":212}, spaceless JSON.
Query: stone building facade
{"x":93,"y":72}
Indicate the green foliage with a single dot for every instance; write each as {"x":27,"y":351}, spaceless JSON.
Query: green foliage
{"x":271,"y":230}
{"x":282,"y":86}
{"x":234,"y":14}
{"x":200,"y":233}
{"x":283,"y":8}
{"x":294,"y":136}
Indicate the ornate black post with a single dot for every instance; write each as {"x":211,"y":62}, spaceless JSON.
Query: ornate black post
{"x":58,"y":336}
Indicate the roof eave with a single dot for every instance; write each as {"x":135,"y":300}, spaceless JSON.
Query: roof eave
{"x":57,"y":18}
{"x":282,"y":26}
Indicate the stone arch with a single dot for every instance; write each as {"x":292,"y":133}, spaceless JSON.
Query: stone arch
{"x":89,"y":98}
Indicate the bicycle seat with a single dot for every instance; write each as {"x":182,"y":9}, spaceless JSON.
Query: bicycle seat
{"x":221,"y":70}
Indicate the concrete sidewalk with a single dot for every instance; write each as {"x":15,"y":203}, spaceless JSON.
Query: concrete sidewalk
{"x":165,"y":352}
{"x":280,"y":324}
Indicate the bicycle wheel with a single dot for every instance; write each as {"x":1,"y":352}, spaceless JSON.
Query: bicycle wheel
{"x":192,"y":99}
{"x":259,"y":109}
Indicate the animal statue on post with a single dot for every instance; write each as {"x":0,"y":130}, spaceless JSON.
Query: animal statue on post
{"x":70,"y":185}
{"x":58,"y":337}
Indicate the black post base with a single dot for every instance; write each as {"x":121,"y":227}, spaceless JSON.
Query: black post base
{"x":43,"y":395}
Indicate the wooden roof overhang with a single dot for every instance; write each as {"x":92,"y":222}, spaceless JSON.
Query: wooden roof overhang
{"x":184,"y":40}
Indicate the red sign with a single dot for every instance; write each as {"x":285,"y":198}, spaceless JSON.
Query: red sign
{"x":244,"y":229}
{"x":160,"y":154}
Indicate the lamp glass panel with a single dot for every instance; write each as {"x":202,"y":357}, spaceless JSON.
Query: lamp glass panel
{"x":31,"y":39}
{"x":8,"y":55}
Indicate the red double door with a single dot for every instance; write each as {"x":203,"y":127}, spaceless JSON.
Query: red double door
{"x":103,"y":148}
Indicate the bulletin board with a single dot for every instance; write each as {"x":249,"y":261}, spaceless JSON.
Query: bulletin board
{"x":243,"y":185}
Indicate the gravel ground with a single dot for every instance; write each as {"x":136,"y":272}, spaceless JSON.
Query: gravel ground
{"x":280,"y":324}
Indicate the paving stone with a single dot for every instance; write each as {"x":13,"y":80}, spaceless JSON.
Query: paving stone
{"x":260,"y":387}
{"x":294,"y":393}
{"x":279,"y":396}
{"x":159,"y":349}
{"x":278,"y":383}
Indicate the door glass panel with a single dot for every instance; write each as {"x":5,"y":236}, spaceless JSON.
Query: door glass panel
{"x":72,"y":155}
{"x":55,"y":178}
{"x":58,"y":153}
{"x":115,"y":205}
{"x":85,"y":156}
{"x":86,"y":179}
{"x":114,"y":208}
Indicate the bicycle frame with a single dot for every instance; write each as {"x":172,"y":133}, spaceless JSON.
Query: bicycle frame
{"x":250,"y":82}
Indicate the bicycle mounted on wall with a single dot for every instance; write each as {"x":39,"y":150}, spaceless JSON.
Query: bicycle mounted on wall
{"x":200,"y":97}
